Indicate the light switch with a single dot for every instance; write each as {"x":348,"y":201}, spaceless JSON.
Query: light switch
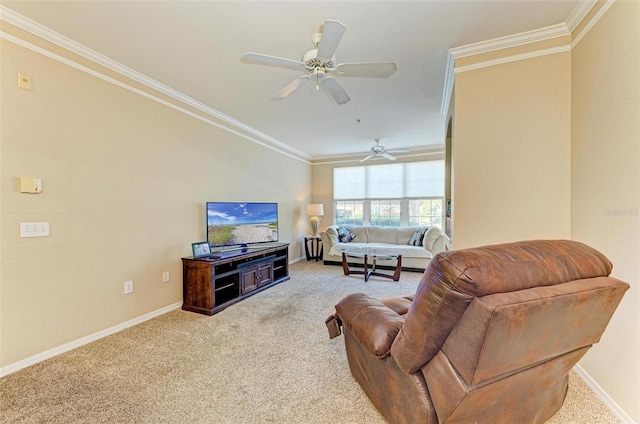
{"x":34,"y":229}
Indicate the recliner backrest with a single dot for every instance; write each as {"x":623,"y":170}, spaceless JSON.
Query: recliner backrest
{"x":503,"y":333}
{"x":454,"y":279}
{"x":512,"y":352}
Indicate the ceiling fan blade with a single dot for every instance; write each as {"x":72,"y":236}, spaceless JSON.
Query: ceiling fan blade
{"x":291,"y":87}
{"x":273,"y":60}
{"x":387,"y":155}
{"x":331,"y":35}
{"x":335,"y":90}
{"x":398,"y":151}
{"x":367,"y":70}
{"x":367,"y":158}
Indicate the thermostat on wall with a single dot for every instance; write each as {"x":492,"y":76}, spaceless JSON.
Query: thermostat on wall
{"x":30,"y":185}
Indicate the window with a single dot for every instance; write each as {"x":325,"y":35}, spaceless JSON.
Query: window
{"x":385,"y":213}
{"x":391,"y":195}
{"x":425,"y":212}
{"x":349,"y":212}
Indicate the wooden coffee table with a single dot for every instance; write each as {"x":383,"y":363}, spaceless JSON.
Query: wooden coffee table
{"x":375,"y":254}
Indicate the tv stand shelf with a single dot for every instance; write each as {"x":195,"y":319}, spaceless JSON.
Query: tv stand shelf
{"x":210,"y":285}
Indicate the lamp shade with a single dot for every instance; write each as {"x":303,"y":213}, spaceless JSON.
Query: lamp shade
{"x":315,"y":209}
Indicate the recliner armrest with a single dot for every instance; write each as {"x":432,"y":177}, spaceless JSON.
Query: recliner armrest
{"x":373,"y":324}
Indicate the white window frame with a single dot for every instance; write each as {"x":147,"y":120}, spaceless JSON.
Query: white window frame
{"x":404,"y":209}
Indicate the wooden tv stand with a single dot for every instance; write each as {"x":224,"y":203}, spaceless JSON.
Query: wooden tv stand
{"x":210,"y":285}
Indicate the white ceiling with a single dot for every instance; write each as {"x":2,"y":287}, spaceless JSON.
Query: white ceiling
{"x":195,"y":47}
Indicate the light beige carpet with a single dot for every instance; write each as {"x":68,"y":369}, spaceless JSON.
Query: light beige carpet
{"x":267,"y":359}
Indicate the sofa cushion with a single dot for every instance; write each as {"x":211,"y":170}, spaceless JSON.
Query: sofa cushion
{"x":381,"y":235}
{"x":418,"y":236}
{"x":403,"y":234}
{"x":332,"y":234}
{"x":360,"y":233}
{"x":389,"y":235}
{"x":345,"y":235}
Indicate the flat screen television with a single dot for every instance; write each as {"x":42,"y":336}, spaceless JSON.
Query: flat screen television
{"x":241,"y":224}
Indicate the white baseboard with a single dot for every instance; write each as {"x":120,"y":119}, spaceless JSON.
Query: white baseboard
{"x":16,"y":366}
{"x":615,"y":408}
{"x":32,"y":360}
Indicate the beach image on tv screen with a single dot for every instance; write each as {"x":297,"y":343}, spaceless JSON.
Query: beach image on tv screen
{"x":241,"y":223}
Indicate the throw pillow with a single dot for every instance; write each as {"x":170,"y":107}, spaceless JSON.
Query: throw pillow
{"x":418,"y":236}
{"x":345,"y":236}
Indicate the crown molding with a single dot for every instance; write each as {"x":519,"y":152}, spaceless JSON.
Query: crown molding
{"x":448,"y":84}
{"x":592,"y":22}
{"x":579,"y":13}
{"x":233,"y":125}
{"x":72,"y":64}
{"x":514,"y":58}
{"x":527,"y":37}
{"x":520,"y":39}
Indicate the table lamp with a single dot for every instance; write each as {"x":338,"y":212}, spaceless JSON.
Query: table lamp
{"x":315,"y":211}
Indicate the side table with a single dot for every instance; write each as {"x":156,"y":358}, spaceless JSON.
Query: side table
{"x":313,"y":247}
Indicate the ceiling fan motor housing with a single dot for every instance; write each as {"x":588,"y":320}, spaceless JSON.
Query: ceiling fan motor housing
{"x":312,"y":61}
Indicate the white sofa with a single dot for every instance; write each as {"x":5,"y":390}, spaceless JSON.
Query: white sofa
{"x":397,"y":238}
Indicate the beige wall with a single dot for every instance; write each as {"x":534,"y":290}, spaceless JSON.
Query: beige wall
{"x":512,"y":152}
{"x":605,"y":191}
{"x":548,"y":148}
{"x":125,"y":182}
{"x":322,"y":191}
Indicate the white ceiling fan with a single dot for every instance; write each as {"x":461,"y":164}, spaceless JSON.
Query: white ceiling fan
{"x":319,"y":64}
{"x":379,"y":151}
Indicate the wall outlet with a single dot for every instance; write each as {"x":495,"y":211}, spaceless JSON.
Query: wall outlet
{"x":165,"y":276}
{"x":128,"y":287}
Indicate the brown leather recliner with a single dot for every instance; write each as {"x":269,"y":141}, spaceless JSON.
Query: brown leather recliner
{"x":489,"y":336}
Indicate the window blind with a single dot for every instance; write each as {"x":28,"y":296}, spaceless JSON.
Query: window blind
{"x":390,"y":181}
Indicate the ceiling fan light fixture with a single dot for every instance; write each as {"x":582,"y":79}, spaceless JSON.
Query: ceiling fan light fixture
{"x":320,"y":74}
